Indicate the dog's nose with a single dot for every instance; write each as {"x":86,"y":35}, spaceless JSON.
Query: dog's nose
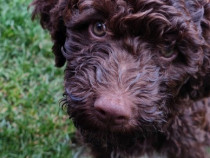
{"x":112,"y":111}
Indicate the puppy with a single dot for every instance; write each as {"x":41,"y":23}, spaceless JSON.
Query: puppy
{"x":137,"y":73}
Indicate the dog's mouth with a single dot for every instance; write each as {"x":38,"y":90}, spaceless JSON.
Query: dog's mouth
{"x":104,"y":113}
{"x":113,"y":124}
{"x":94,"y":122}
{"x":110,"y":113}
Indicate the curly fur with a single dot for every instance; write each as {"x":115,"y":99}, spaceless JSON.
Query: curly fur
{"x":168,"y":96}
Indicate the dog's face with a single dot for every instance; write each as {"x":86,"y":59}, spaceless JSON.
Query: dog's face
{"x":126,"y":61}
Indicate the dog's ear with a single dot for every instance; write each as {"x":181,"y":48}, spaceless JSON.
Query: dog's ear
{"x":205,"y":23}
{"x":199,"y":86}
{"x":200,"y":13}
{"x":52,"y":14}
{"x":196,"y":10}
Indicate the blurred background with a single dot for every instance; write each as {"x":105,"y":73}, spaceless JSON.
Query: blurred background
{"x":32,"y":124}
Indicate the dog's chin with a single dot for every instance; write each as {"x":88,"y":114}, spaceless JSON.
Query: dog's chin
{"x":98,"y":126}
{"x":108,"y":131}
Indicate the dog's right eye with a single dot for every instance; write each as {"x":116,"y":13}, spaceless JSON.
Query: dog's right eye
{"x":98,"y":29}
{"x":167,"y":53}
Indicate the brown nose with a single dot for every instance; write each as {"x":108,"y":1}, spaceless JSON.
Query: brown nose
{"x":112,"y":110}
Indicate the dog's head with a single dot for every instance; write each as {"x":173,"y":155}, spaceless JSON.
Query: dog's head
{"x":127,"y":62}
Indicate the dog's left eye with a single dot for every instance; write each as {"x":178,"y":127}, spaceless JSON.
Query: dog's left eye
{"x":99,"y":29}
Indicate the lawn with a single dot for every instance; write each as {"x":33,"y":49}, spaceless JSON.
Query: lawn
{"x":32,"y":124}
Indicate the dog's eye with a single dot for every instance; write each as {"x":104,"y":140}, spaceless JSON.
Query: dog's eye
{"x":99,"y":29}
{"x":167,"y":53}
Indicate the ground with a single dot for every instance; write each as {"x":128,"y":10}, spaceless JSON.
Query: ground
{"x":32,"y":124}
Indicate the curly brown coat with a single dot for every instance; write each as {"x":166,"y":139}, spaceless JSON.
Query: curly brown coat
{"x":137,"y":73}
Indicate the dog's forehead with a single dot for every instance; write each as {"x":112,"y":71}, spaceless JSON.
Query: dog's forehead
{"x":120,"y":9}
{"x":126,"y":9}
{"x":113,"y":5}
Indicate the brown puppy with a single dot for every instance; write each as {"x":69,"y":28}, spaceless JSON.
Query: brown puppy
{"x":137,"y":73}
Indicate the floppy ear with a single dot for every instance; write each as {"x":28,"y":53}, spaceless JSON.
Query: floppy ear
{"x":52,"y":14}
{"x":200,"y":12}
{"x":205,"y":23}
{"x":196,"y":10}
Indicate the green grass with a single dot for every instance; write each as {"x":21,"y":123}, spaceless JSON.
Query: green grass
{"x":32,"y":124}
